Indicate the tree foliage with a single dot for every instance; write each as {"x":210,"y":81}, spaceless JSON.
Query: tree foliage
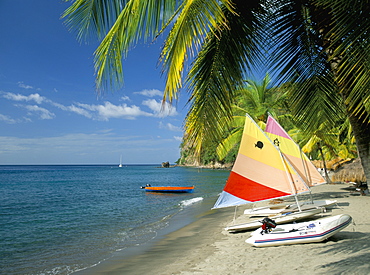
{"x":320,"y":46}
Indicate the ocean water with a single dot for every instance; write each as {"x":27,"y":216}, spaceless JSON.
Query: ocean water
{"x":61,"y":219}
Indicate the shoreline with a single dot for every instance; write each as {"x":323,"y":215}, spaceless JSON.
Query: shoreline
{"x":170,"y":246}
{"x":203,"y":247}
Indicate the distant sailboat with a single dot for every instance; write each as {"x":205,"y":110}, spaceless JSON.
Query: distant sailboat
{"x":120,"y":162}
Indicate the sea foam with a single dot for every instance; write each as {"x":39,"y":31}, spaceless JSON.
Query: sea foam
{"x":191,"y":201}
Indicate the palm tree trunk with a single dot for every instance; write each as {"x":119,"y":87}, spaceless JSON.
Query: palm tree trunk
{"x":361,"y":130}
{"x":357,"y":118}
{"x":324,"y":163}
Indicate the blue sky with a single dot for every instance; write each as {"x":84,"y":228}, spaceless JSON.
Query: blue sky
{"x":50,"y":112}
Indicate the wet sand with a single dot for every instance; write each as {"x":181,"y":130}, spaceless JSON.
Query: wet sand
{"x":204,"y":247}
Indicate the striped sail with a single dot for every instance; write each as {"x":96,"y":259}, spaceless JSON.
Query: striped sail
{"x":293,"y":153}
{"x":260,"y":171}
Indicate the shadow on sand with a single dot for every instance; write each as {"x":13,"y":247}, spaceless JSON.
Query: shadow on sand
{"x":356,"y":245}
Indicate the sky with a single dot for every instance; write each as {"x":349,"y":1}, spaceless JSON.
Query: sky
{"x":50,"y":112}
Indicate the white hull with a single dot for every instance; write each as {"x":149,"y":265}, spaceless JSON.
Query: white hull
{"x":304,"y":232}
{"x":279,"y":219}
{"x":283,"y":208}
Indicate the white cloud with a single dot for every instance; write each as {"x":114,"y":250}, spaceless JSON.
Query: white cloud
{"x":170,"y":127}
{"x":73,"y":109}
{"x":27,"y":119}
{"x":94,"y":111}
{"x":109,"y":110}
{"x":79,"y":111}
{"x":160,"y":109}
{"x":44,"y":114}
{"x":7,"y":119}
{"x":24,"y":86}
{"x":177,"y":138}
{"x":125,"y":98}
{"x":18,"y":97}
{"x":150,"y":93}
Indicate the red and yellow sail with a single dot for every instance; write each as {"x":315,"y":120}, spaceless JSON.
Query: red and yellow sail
{"x":260,"y":171}
{"x":293,"y":153}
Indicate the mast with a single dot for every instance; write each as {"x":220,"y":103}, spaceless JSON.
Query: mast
{"x":286,"y":162}
{"x":291,"y":182}
{"x":293,"y":152}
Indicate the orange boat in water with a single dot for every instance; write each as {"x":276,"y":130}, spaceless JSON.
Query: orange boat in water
{"x":169,"y":189}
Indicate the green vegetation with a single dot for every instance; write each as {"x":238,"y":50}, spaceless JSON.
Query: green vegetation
{"x":319,"y":48}
{"x":258,"y":101}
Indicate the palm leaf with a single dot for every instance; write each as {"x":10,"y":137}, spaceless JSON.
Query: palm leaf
{"x":349,"y":41}
{"x":196,"y":19}
{"x":92,"y":17}
{"x":228,"y":144}
{"x":217,"y":72}
{"x":123,"y":24}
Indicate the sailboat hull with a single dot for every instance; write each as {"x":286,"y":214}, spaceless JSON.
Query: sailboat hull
{"x":298,"y":233}
{"x":283,"y":208}
{"x":279,"y":219}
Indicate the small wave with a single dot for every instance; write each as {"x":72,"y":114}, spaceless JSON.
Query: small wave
{"x":191,"y":201}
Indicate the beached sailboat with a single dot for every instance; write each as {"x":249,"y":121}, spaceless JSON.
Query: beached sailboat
{"x":285,"y":207}
{"x":297,"y":233}
{"x":301,"y":164}
{"x":261,"y":173}
{"x":293,"y":153}
{"x":278,"y":219}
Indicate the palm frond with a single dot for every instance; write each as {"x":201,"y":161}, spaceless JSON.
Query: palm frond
{"x":196,"y":19}
{"x":304,"y":60}
{"x":228,"y":144}
{"x":132,"y":20}
{"x":349,"y":41}
{"x":92,"y":17}
{"x":218,"y":71}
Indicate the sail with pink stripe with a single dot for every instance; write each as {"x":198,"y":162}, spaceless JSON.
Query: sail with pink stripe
{"x":260,"y":172}
{"x":291,"y":150}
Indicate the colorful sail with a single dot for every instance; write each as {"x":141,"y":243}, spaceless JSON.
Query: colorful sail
{"x":260,"y":171}
{"x":293,"y":153}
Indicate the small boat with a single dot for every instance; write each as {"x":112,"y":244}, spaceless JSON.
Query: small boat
{"x":120,"y":162}
{"x":260,"y":172}
{"x":279,"y":219}
{"x":283,"y":208}
{"x":299,"y":162}
{"x":169,"y":189}
{"x":269,"y":166}
{"x":298,"y":233}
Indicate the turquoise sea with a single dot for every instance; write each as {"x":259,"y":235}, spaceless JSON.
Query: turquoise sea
{"x":60,"y":219}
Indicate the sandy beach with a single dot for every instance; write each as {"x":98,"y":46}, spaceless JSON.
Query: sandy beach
{"x":204,"y":247}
